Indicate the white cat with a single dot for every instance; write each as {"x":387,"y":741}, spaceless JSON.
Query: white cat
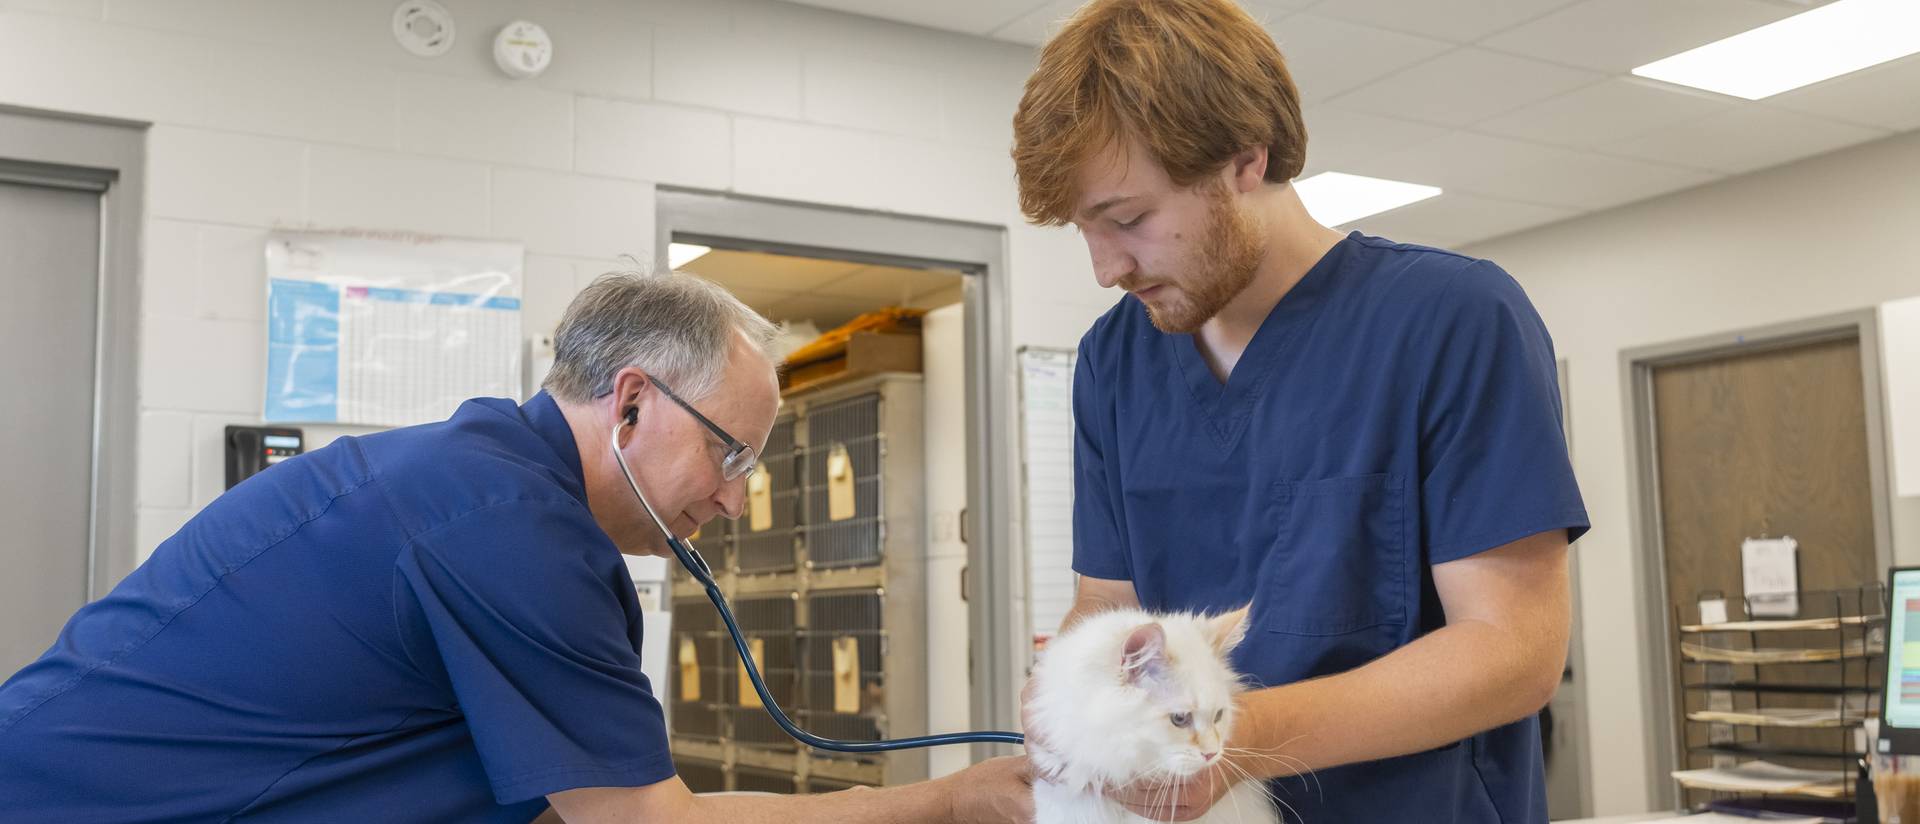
{"x":1127,"y":696}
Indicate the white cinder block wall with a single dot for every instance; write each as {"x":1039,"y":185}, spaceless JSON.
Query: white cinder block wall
{"x":293,"y":113}
{"x":1828,"y":234}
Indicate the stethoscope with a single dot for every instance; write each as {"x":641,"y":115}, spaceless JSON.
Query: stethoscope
{"x":697,"y":567}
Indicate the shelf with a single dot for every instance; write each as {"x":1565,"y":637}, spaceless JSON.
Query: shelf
{"x":1824,"y":792}
{"x":1784,"y":689}
{"x":1779,"y":718}
{"x":1771,"y":749}
{"x":1853,"y":650}
{"x":1786,"y":625}
{"x":1767,"y":779}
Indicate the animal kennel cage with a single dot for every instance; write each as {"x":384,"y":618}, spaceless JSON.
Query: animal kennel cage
{"x":827,"y":574}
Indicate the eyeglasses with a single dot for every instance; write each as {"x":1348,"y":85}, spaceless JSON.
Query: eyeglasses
{"x":740,"y":459}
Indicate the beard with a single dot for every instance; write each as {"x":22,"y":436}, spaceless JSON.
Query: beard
{"x":1225,"y":261}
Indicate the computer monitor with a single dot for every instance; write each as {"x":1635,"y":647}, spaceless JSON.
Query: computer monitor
{"x":1900,"y":698}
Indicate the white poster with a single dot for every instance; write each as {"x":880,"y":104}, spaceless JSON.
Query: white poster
{"x":1770,"y":572}
{"x":1046,"y":449}
{"x":388,"y":329}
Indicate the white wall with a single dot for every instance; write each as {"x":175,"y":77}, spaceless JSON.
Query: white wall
{"x":294,"y":113}
{"x":1825,"y":235}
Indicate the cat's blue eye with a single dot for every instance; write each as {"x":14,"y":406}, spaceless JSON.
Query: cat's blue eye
{"x":1181,"y":719}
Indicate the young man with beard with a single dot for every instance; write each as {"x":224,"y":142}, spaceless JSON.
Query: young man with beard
{"x":1360,"y":437}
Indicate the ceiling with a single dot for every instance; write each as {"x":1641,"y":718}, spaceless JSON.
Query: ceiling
{"x":826,"y":292}
{"x":1524,"y":111}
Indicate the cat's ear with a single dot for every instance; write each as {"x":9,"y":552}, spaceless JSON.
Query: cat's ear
{"x":1144,"y":655}
{"x":1228,"y":629}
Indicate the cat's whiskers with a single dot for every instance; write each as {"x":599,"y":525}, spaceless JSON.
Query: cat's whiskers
{"x":1264,"y":790}
{"x":1293,"y":764}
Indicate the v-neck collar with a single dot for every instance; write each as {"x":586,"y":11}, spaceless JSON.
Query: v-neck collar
{"x":1225,"y":407}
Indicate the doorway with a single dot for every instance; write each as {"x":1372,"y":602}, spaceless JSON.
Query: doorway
{"x":957,"y":272}
{"x":69,"y":198}
{"x":1768,"y":433}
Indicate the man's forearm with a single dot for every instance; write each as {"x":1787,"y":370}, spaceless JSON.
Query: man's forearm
{"x":928,"y":801}
{"x":669,"y":801}
{"x":1457,"y":681}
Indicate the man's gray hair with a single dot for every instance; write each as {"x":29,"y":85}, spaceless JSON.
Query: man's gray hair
{"x":676,"y":326}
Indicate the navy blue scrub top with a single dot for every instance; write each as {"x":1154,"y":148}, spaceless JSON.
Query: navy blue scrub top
{"x":1398,"y":409}
{"x":420,"y":625}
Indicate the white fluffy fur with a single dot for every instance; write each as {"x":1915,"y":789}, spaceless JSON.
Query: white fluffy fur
{"x":1103,"y":698}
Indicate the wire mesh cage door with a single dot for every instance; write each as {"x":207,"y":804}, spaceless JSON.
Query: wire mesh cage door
{"x":702,"y":657}
{"x":767,"y":622}
{"x":842,"y":667}
{"x":764,"y":534}
{"x":844,"y":521}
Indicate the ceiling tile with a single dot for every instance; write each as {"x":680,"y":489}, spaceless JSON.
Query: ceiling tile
{"x":1418,"y":238}
{"x":825,"y":313}
{"x":888,"y":285}
{"x":1617,"y":35}
{"x":758,"y":300}
{"x":1604,"y":113}
{"x":1461,"y":218}
{"x":1034,"y":27}
{"x":773,"y":273}
{"x":1328,"y":57}
{"x":1461,"y":21}
{"x":1469,"y":163}
{"x":1338,"y":139}
{"x":971,"y":17}
{"x":1465,"y":86}
{"x":1746,"y":138}
{"x":1887,"y":95}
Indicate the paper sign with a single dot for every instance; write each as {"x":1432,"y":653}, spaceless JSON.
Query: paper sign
{"x":689,"y":670}
{"x":846,"y":674}
{"x":839,"y":484}
{"x":758,"y":648}
{"x":1770,"y":571}
{"x":1713,"y":610}
{"x":759,"y":502}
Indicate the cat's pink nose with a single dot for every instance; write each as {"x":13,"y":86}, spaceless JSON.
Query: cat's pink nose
{"x":1209,"y":755}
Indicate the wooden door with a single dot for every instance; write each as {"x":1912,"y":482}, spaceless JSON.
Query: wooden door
{"x":1771,"y":443}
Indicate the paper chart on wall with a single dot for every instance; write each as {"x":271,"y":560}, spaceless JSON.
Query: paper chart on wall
{"x":388,"y":329}
{"x":1046,"y":451}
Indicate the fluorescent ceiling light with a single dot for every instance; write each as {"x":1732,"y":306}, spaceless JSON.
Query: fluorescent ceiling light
{"x":1837,"y":38}
{"x":1334,"y":198}
{"x":681,"y":254}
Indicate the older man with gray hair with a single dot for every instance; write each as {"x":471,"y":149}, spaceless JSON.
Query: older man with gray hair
{"x":434,"y":623}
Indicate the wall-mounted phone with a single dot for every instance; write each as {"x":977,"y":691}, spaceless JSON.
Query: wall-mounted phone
{"x":253,"y":448}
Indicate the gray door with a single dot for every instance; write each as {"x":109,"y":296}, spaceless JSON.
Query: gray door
{"x":49,"y":276}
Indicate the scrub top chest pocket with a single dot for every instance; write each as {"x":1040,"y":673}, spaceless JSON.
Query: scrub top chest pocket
{"x":1338,"y":563}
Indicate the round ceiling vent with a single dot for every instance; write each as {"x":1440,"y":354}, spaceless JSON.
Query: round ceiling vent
{"x":423,"y":27}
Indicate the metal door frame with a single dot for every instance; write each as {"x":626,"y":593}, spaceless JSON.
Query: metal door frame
{"x":105,"y":155}
{"x":1649,"y":550}
{"x":1576,"y":642}
{"x":995,"y":554}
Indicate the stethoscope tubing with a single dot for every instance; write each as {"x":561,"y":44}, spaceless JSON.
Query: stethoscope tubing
{"x":696,"y":566}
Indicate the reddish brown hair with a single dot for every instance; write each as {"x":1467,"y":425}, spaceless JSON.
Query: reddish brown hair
{"x":1195,"y":81}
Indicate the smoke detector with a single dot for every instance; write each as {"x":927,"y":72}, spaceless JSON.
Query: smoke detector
{"x":522,"y":49}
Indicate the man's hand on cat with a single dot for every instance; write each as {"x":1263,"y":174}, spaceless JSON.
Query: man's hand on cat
{"x":1181,"y":800}
{"x":995,"y":791}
